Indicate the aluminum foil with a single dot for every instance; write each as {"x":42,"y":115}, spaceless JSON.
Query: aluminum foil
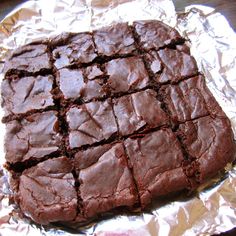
{"x":213,"y":208}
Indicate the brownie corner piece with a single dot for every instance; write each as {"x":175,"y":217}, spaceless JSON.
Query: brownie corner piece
{"x":126,"y":74}
{"x":154,"y":34}
{"x":210,"y":142}
{"x":33,"y":137}
{"x":26,"y":94}
{"x":47,"y":193}
{"x":139,"y":111}
{"x":114,"y":40}
{"x":99,"y":191}
{"x":156,"y":159}
{"x":73,"y":49}
{"x":31,"y":58}
{"x":91,"y":123}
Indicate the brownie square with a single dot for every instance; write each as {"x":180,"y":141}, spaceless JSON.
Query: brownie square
{"x":100,"y":191}
{"x":21,"y":95}
{"x":210,"y":142}
{"x":73,"y":49}
{"x":34,"y":137}
{"x":29,"y":58}
{"x":90,"y":123}
{"x":139,"y":110}
{"x":177,"y":65}
{"x":126,"y":74}
{"x":114,"y":40}
{"x":46,"y":191}
{"x":74,"y":85}
{"x":190,"y":99}
{"x":154,"y":34}
{"x":156,"y":160}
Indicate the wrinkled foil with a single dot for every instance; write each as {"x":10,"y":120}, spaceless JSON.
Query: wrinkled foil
{"x":213,"y":208}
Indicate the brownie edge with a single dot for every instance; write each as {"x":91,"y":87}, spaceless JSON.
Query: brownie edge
{"x":46,"y":191}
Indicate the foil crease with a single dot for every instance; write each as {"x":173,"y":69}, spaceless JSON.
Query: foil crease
{"x":212,"y":41}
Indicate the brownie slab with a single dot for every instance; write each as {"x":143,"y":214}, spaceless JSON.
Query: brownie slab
{"x":74,"y":85}
{"x":27,"y":94}
{"x":156,"y":159}
{"x":90,"y":123}
{"x":70,"y":49}
{"x":104,"y":122}
{"x":47,"y":193}
{"x":114,"y":40}
{"x":190,"y":99}
{"x":35,"y":136}
{"x":139,"y":110}
{"x":155,"y":34}
{"x":100,"y":191}
{"x":126,"y":74}
{"x":210,"y":142}
{"x":31,"y":58}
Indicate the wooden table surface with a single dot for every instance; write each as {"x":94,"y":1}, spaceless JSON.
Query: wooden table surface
{"x":226,"y":7}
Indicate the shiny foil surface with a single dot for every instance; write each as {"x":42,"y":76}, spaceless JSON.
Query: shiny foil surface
{"x":212,"y":209}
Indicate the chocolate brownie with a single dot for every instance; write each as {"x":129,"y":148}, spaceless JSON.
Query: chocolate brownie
{"x":90,"y":123}
{"x":155,"y":34}
{"x":114,"y":40}
{"x":156,"y":160}
{"x":31,"y":58}
{"x":100,"y":192}
{"x":138,"y":111}
{"x":177,"y":65}
{"x":74,"y":85}
{"x":153,"y":63}
{"x":70,"y":49}
{"x":209,"y":141}
{"x":190,"y":99}
{"x":109,"y":121}
{"x":93,"y":72}
{"x":47,"y":193}
{"x":27,"y":94}
{"x":35,"y":136}
{"x":126,"y":74}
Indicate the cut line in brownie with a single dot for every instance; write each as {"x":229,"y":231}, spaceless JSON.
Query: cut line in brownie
{"x":74,"y":85}
{"x":190,"y":99}
{"x":156,"y":160}
{"x":210,"y":142}
{"x":33,"y":137}
{"x":139,"y":111}
{"x":47,"y":193}
{"x":73,"y":49}
{"x":90,"y":123}
{"x":26,"y":94}
{"x":153,"y":34}
{"x":31,"y":58}
{"x":114,"y":40}
{"x":105,"y":180}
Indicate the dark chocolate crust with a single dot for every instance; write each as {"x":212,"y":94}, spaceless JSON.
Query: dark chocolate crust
{"x":108,"y":121}
{"x":47,"y":193}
